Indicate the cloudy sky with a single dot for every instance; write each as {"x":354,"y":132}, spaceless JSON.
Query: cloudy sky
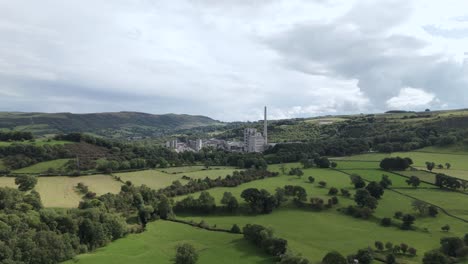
{"x":226,"y":59}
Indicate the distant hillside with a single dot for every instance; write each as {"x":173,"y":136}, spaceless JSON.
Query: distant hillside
{"x":113,"y":125}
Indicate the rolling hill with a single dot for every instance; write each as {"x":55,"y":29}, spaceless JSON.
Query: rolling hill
{"x":114,"y":125}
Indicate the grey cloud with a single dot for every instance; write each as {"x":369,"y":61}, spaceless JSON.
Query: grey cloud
{"x":455,"y":33}
{"x":382,"y":63}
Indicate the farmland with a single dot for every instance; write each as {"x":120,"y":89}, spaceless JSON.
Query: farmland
{"x":159,"y":241}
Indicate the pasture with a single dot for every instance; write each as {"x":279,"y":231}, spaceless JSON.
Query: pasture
{"x":157,"y":245}
{"x":42,"y":167}
{"x":157,"y":179}
{"x":36,"y":142}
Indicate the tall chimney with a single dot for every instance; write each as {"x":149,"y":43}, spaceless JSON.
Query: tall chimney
{"x":265,"y":127}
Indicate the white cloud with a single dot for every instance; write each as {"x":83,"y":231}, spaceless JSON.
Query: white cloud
{"x":213,"y":57}
{"x":410,"y":98}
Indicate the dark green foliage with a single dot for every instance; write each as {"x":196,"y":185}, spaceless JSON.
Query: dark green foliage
{"x":357,"y":181}
{"x":26,"y":182}
{"x":311,"y":179}
{"x":390,"y":259}
{"x":398,"y":215}
{"x":364,"y":256}
{"x":322,"y":162}
{"x":322,"y":184}
{"x":345,"y":193}
{"x":379,"y":245}
{"x":385,"y":182}
{"x":205,"y":204}
{"x":408,"y":221}
{"x":412,"y":251}
{"x":430,"y":165}
{"x":364,"y":199}
{"x":443,"y":180}
{"x":432,"y":211}
{"x":296,"y":172}
{"x":230,"y":202}
{"x":386,"y":221}
{"x":445,"y":228}
{"x":263,"y":238}
{"x":413,"y":181}
{"x":333,"y":191}
{"x":450,"y":245}
{"x":235,"y":229}
{"x":185,"y":254}
{"x":15,"y":136}
{"x":435,"y":257}
{"x":259,"y":201}
{"x":334,"y":257}
{"x":396,"y":163}
{"x":375,"y":189}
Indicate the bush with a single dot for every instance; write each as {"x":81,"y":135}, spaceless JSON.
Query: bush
{"x":379,"y":245}
{"x":322,"y":184}
{"x":334,"y":258}
{"x":185,"y":254}
{"x":333,"y":191}
{"x":390,"y":259}
{"x":386,"y":221}
{"x":398,"y":215}
{"x":235,"y":229}
{"x":412,"y":251}
{"x":435,"y":257}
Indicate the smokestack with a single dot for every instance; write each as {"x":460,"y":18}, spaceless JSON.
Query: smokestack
{"x":265,"y":127}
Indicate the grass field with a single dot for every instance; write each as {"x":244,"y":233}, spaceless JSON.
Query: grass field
{"x":59,"y":191}
{"x":157,"y":245}
{"x":43,"y":166}
{"x":157,"y":179}
{"x":310,"y":233}
{"x":185,"y":169}
{"x":38,"y":142}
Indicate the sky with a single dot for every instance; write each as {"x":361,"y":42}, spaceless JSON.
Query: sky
{"x":228,"y":59}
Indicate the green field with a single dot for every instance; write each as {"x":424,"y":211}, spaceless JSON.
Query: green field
{"x":37,"y":142}
{"x":185,"y":169}
{"x":157,"y":245}
{"x":42,"y":167}
{"x":59,"y":191}
{"x":157,"y":179}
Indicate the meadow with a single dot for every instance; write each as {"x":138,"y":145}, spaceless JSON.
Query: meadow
{"x":37,"y":142}
{"x":157,"y":245}
{"x":43,"y":166}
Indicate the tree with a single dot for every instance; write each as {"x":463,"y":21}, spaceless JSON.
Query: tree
{"x":323,"y":184}
{"x":440,"y":166}
{"x":375,"y":189}
{"x":230,"y":202}
{"x":185,"y":254}
{"x":412,"y":251}
{"x":413,"y":181}
{"x":334,"y":257}
{"x":379,"y":245}
{"x":386,"y":221}
{"x":164,"y":207}
{"x":385,"y":182}
{"x":322,"y":162}
{"x":445,"y":228}
{"x":448,"y":165}
{"x":26,"y":182}
{"x":450,"y":245}
{"x":333,"y":165}
{"x":333,"y":191}
{"x":357,"y":181}
{"x":404,"y":248}
{"x":435,"y":257}
{"x":432,"y":211}
{"x":389,"y":246}
{"x":430,"y":165}
{"x":235,"y":229}
{"x":364,"y":256}
{"x":396,"y":163}
{"x":364,"y":199}
{"x":408,"y":221}
{"x":288,"y":258}
{"x":311,"y":179}
{"x":420,"y":206}
{"x":390,"y":259}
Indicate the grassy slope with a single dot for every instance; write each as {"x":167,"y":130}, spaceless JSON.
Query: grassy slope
{"x":38,"y":142}
{"x":157,"y":245}
{"x":59,"y":191}
{"x":315,"y":233}
{"x":43,"y":166}
{"x":157,"y":179}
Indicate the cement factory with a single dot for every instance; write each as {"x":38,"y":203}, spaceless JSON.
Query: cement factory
{"x":253,"y":141}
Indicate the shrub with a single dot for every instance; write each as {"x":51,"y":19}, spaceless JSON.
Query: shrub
{"x":323,"y":184}
{"x":333,"y":191}
{"x":386,"y":221}
{"x":412,"y":251}
{"x":334,"y":258}
{"x":345,"y":193}
{"x":390,"y":259}
{"x":235,"y":229}
{"x":398,"y":215}
{"x":389,"y":246}
{"x":379,"y":245}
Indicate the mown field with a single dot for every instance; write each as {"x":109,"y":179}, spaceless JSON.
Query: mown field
{"x":157,"y":245}
{"x":43,"y":166}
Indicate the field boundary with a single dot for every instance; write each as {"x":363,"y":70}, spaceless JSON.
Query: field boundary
{"x":414,"y":198}
{"x":193,"y":224}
